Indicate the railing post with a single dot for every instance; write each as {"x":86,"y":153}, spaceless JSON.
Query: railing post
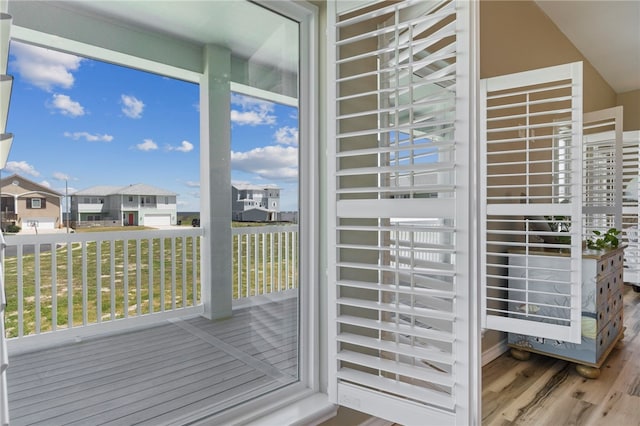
{"x":215,"y":178}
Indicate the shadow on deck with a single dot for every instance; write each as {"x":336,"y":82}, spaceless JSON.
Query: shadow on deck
{"x":167,"y":373}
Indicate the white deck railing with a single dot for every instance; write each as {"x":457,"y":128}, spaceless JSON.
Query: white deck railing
{"x":265,"y":260}
{"x":64,"y":281}
{"x":101,"y":278}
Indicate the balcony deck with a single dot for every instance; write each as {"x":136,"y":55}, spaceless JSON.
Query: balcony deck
{"x":160,"y":374}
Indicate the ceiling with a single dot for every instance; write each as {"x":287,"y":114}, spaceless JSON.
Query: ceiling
{"x":272,"y":38}
{"x":248,"y":30}
{"x":607,"y":33}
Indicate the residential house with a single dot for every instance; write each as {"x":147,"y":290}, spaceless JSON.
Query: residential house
{"x":254,"y":203}
{"x":138,"y":204}
{"x":28,"y":204}
{"x":384,"y":330}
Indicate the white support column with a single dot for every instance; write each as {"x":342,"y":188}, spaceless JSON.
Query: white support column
{"x":215,"y":182}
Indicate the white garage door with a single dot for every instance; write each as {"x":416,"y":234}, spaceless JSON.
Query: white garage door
{"x":157,"y":220}
{"x":40,"y":222}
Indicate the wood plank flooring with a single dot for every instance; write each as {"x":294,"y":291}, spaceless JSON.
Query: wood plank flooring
{"x":159,"y":374}
{"x":547,"y":391}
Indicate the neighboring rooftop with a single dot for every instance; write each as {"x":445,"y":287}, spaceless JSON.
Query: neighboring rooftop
{"x":247,"y":186}
{"x":133,"y":189}
{"x":8,"y":181}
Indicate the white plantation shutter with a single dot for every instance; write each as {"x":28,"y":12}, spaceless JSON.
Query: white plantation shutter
{"x":630,"y":207}
{"x":400,"y":282}
{"x":531,"y":202}
{"x":602,"y":174}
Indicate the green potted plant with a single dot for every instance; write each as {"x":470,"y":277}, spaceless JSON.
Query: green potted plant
{"x":604,"y":241}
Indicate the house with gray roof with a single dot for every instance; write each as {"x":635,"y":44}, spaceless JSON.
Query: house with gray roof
{"x":255,"y":203}
{"x":137,"y":204}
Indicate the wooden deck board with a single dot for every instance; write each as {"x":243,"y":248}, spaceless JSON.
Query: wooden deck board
{"x":99,"y":384}
{"x":259,"y":386}
{"x":90,"y":369}
{"x":115,"y":397}
{"x":158,"y":373}
{"x":155,"y":396}
{"x":179,"y":400}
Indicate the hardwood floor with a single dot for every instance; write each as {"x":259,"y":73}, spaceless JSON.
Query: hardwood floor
{"x":548,"y":391}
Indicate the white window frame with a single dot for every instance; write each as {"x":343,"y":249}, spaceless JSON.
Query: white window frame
{"x":301,"y":400}
{"x":36,"y":203}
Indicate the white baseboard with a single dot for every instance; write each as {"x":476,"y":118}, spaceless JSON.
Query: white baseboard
{"x":494,"y":352}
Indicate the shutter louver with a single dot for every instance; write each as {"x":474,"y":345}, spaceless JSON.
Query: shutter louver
{"x":531,"y":202}
{"x":400,"y":305}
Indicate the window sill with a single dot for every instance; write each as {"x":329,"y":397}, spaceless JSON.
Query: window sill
{"x":300,"y":408}
{"x":298,"y":405}
{"x":310,"y":410}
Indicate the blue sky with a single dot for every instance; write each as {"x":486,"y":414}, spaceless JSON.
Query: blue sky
{"x":92,"y":123}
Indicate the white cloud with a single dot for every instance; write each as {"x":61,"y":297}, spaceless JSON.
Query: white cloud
{"x":269,"y":162}
{"x":132,"y":106}
{"x":61,"y":176}
{"x":88,"y":136}
{"x":252,"y":111}
{"x":45,"y":183}
{"x":251,"y":118}
{"x":185,"y":146}
{"x":192,"y":184}
{"x":286,"y":135}
{"x":22,"y":167}
{"x":147,"y":145}
{"x":44,"y":68}
{"x":67,"y":106}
